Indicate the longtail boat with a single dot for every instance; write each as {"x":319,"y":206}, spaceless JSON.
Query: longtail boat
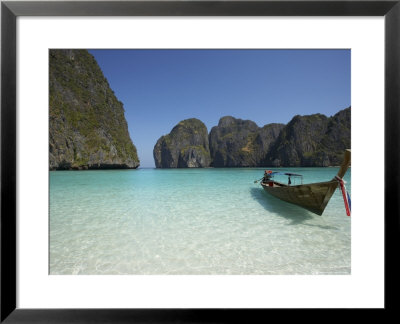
{"x":313,"y":196}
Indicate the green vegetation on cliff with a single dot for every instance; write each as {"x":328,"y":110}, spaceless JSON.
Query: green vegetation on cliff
{"x":88,"y":128}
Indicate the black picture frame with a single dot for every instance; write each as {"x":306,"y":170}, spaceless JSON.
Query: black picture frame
{"x":11,"y":10}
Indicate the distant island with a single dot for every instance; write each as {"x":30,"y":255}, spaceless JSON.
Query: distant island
{"x":311,"y":141}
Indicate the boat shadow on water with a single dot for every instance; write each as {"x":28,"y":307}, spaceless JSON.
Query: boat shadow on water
{"x":295,"y":214}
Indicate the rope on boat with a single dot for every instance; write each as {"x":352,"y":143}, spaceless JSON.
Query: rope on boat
{"x":346,"y":195}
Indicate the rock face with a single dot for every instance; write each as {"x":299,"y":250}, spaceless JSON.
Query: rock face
{"x":186,"y":146}
{"x":241,"y":143}
{"x":313,"y":140}
{"x":88,"y":129}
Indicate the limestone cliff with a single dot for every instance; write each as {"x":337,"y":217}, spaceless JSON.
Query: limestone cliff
{"x":88,"y":129}
{"x":314,"y":140}
{"x":241,"y":143}
{"x":186,"y":146}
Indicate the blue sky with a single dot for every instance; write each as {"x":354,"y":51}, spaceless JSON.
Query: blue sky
{"x":159,"y":88}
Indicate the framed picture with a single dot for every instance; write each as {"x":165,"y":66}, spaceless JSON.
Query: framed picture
{"x":238,"y":34}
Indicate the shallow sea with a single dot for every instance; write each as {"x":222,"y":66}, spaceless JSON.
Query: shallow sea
{"x":191,"y":221}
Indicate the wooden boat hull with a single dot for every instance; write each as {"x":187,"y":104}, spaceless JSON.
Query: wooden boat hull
{"x":313,"y":197}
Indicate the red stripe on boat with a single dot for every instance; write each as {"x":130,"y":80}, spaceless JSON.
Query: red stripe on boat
{"x":344,"y":194}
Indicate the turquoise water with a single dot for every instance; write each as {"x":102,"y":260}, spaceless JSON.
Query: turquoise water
{"x":191,"y":221}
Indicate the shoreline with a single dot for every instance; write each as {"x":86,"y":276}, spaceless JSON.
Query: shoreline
{"x":216,"y":168}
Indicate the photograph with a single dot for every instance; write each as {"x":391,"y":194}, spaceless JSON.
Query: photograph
{"x":199,"y":161}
